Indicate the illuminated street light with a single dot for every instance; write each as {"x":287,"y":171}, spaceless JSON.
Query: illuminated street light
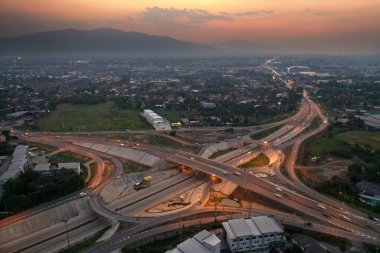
{"x":266,"y":145}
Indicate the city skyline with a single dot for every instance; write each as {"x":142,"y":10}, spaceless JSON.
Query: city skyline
{"x":296,"y":25}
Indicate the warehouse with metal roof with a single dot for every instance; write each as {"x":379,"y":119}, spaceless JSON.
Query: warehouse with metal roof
{"x":203,"y":242}
{"x":254,"y":234}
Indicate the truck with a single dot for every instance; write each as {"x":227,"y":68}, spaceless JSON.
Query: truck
{"x":145,"y":182}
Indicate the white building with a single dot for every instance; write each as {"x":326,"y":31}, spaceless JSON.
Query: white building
{"x":20,"y":161}
{"x":158,"y":122}
{"x":259,"y":233}
{"x":203,"y":242}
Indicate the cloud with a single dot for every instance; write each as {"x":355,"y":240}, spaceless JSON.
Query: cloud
{"x":316,"y":12}
{"x":252,"y":13}
{"x":321,"y":13}
{"x":190,"y":17}
{"x":248,"y":13}
{"x":182,"y":16}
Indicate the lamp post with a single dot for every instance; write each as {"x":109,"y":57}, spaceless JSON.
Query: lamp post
{"x":65,"y":220}
{"x":266,"y":145}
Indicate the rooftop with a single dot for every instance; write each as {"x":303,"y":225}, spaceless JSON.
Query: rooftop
{"x":198,"y":244}
{"x":251,"y":227}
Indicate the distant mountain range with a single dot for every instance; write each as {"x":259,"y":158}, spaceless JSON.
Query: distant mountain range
{"x":97,"y":42}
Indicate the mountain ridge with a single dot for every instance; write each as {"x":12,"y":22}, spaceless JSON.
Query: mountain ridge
{"x":101,"y":41}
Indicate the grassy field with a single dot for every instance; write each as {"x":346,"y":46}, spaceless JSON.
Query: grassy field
{"x":66,"y":157}
{"x":330,"y":146}
{"x":341,"y":144}
{"x":149,"y":139}
{"x":317,"y":121}
{"x":258,"y":161}
{"x":104,"y":116}
{"x":132,"y":167}
{"x":221,"y":152}
{"x":368,"y":140}
{"x":168,"y":114}
{"x":265,"y":133}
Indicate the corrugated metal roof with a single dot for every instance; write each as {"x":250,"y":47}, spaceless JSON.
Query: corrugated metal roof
{"x":192,"y":246}
{"x":239,"y":227}
{"x":252,"y":227}
{"x":228,"y":229}
{"x":20,"y":150}
{"x":212,"y":240}
{"x":207,"y":237}
{"x":266,"y":224}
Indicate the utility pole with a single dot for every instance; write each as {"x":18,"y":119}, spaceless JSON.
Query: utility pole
{"x":65,"y":220}
{"x":215,"y":213}
{"x":250,"y":208}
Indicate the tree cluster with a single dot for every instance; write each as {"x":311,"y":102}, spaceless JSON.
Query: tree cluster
{"x":30,"y":189}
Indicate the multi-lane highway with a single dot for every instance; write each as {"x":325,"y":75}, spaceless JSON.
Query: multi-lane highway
{"x":290,"y":199}
{"x":330,"y":214}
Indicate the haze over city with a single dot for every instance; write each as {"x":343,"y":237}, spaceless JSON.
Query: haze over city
{"x":296,"y":26}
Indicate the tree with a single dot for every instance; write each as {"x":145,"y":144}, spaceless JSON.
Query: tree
{"x":355,"y":172}
{"x":7,"y":135}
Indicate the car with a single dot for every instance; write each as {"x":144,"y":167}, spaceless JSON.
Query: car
{"x":83,"y":194}
{"x":225,"y":173}
{"x":373,"y":218}
{"x":345,"y":217}
{"x":277,"y":195}
{"x":237,"y":173}
{"x":118,"y":177}
{"x":122,"y":144}
{"x":192,"y":158}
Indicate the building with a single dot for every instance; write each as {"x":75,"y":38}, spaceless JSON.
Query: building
{"x":158,"y":122}
{"x":176,"y":124}
{"x":203,"y":242}
{"x":208,"y":105}
{"x":370,"y":200}
{"x":48,"y":169}
{"x":259,"y":234}
{"x":20,"y":161}
{"x":44,"y":169}
{"x":371,"y":120}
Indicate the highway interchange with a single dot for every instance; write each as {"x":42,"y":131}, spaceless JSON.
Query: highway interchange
{"x":328,"y":215}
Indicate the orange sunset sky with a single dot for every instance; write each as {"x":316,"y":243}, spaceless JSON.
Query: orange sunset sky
{"x":327,"y":24}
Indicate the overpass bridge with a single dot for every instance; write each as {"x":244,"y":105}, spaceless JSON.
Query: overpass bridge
{"x":269,"y":190}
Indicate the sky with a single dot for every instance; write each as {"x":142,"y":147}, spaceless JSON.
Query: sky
{"x":298,"y":24}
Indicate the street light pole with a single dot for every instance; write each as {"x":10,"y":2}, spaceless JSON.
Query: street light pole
{"x":67,"y":233}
